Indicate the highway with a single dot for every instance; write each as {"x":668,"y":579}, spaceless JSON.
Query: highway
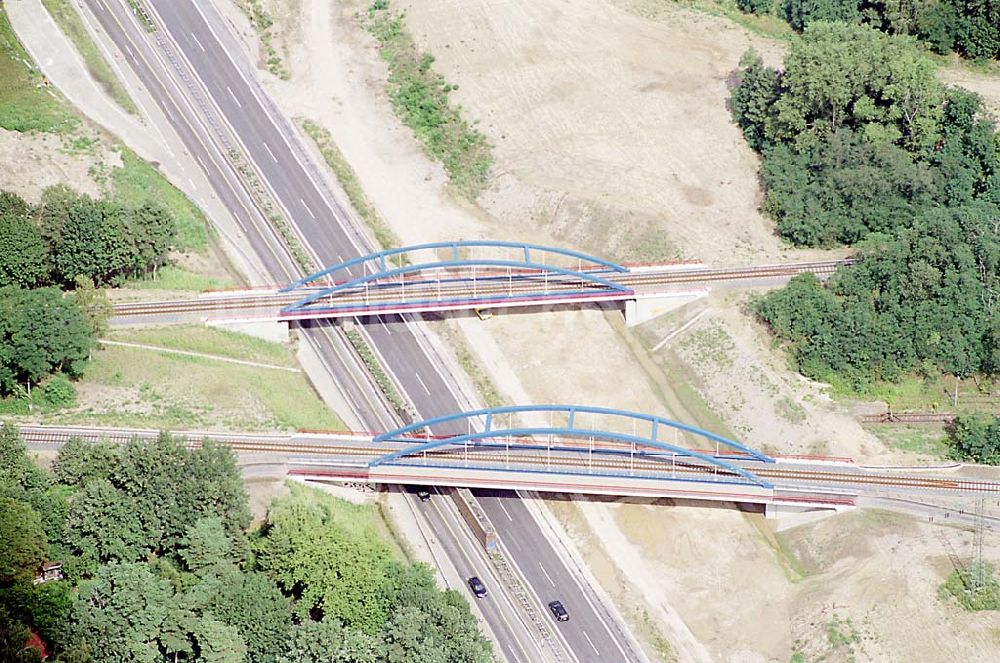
{"x":456,"y":290}
{"x":204,"y":85}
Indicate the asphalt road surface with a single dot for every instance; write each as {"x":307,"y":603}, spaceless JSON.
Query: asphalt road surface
{"x":267,"y":139}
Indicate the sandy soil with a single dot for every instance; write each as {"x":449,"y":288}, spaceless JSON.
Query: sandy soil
{"x":33,"y":162}
{"x":872,"y":576}
{"x":615,"y":139}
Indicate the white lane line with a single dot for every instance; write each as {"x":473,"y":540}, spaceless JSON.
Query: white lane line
{"x":273,"y":158}
{"x":591,"y":643}
{"x":230,"y":91}
{"x":201,"y":163}
{"x":193,"y":187}
{"x":428,"y":391}
{"x":131,"y":54}
{"x":547,"y":576}
{"x":197,"y":42}
{"x":505,"y":511}
{"x":384,"y":326}
{"x":302,"y":201}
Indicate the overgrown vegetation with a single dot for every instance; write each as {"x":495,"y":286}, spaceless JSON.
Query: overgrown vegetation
{"x":972,"y":587}
{"x":159,"y":567}
{"x":70,"y":23}
{"x":971,"y":27}
{"x":863,"y":145}
{"x":262,"y":22}
{"x":27,"y":103}
{"x":348,"y":180}
{"x":975,"y":437}
{"x":419,"y":95}
{"x":374,"y":367}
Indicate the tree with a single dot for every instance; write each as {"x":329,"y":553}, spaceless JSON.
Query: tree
{"x":104,"y":526}
{"x":120,"y":614}
{"x":801,"y":13}
{"x":23,"y":257}
{"x":213,"y":486}
{"x":41,"y":332}
{"x":25,"y":545}
{"x":753,"y":98}
{"x":252,"y":604}
{"x":840,"y":75}
{"x":205,"y":545}
{"x":79,"y":461}
{"x":13,"y":638}
{"x":975,"y":437}
{"x":978,"y":28}
{"x":335,"y":569}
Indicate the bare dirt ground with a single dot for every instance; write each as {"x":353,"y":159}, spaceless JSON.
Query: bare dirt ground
{"x":33,"y":162}
{"x":612,"y":136}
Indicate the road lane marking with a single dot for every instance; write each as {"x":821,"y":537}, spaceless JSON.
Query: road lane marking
{"x":428,"y":391}
{"x":230,"y":91}
{"x":547,"y":576}
{"x":131,"y":54}
{"x":505,"y":512}
{"x":591,"y":643}
{"x":193,"y":36}
{"x":273,"y":158}
{"x":384,"y":326}
{"x":307,"y":206}
{"x":191,"y":182}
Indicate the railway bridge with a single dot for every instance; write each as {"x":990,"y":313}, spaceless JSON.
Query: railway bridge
{"x":466,"y":276}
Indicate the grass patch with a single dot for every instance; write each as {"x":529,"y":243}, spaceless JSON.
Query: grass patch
{"x":71,"y":24}
{"x":172,"y":277}
{"x":419,"y":96}
{"x":973,"y":591}
{"x":137,"y":181}
{"x":209,"y":340}
{"x":348,"y":180}
{"x":144,"y":388}
{"x":923,"y":393}
{"x":664,"y":650}
{"x":928,"y":439}
{"x":26,"y":101}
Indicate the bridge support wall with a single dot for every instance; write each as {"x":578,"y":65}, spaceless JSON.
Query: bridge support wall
{"x":787,"y":516}
{"x":638,"y":311}
{"x":276,"y":331}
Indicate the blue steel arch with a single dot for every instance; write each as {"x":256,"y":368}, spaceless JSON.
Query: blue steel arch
{"x":608,"y":435}
{"x":369,"y":278}
{"x":570,"y":429}
{"x":380,"y":257}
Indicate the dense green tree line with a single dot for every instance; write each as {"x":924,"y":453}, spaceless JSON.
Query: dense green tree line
{"x":160,"y":568}
{"x":69,"y":236}
{"x":862,"y":145}
{"x":975,"y":437}
{"x":971,"y":27}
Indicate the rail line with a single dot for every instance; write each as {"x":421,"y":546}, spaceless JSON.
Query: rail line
{"x":614,"y":460}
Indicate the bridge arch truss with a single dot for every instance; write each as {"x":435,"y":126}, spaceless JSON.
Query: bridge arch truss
{"x":493,"y":433}
{"x":455,"y":275}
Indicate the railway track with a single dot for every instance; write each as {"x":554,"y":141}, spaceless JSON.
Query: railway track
{"x":618,"y":460}
{"x":486,"y":284}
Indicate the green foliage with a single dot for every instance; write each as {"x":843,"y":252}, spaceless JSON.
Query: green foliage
{"x":25,"y":546}
{"x":140,"y":499}
{"x":205,"y":545}
{"x":419,"y":96}
{"x":59,"y":392}
{"x":974,"y":589}
{"x":27,"y":103}
{"x":975,"y":437}
{"x":13,"y":636}
{"x":862,"y":145}
{"x":977,"y":34}
{"x":801,"y":13}
{"x":755,"y":6}
{"x":23,"y":258}
{"x":41,"y":332}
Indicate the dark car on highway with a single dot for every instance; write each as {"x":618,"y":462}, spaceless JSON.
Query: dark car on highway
{"x":558,"y":611}
{"x":477,"y":587}
{"x":424,"y":495}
